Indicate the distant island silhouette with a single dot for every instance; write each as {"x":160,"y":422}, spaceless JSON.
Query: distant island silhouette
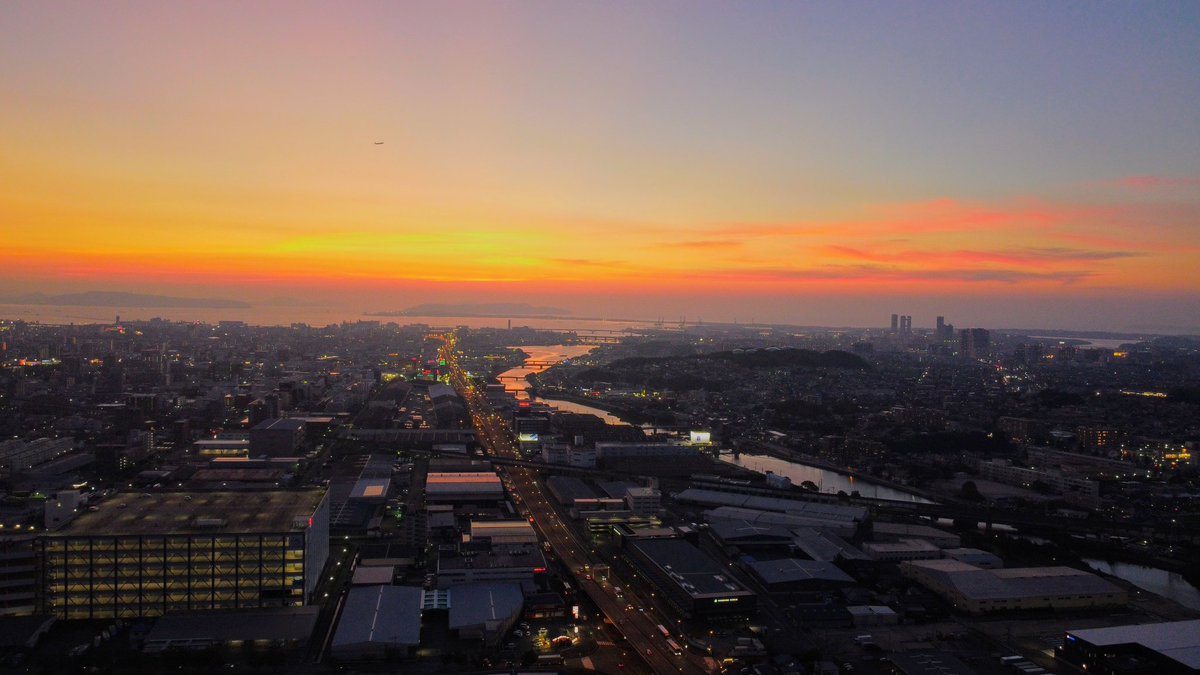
{"x":514,"y":310}
{"x":120,"y":299}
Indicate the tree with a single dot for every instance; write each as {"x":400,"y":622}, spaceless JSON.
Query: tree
{"x":970,"y":492}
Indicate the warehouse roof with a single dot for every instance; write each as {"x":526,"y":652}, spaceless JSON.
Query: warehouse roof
{"x":380,"y":615}
{"x":1014,"y":582}
{"x":1177,"y":640}
{"x":693,"y":571}
{"x":793,"y":570}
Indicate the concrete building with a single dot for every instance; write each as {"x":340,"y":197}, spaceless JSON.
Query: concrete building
{"x":277,"y":438}
{"x":517,"y":564}
{"x":904,"y":549}
{"x":975,"y":591}
{"x":18,"y":575}
{"x":461,"y":487}
{"x":691,"y":582}
{"x":566,"y":454}
{"x":145,"y":556}
{"x":1075,"y":488}
{"x":503,"y":532}
{"x":620,"y":450}
{"x":643,"y":501}
{"x":1168,"y":648}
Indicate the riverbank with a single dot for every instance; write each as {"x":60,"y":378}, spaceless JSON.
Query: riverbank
{"x":624,"y":414}
{"x":780,"y":452}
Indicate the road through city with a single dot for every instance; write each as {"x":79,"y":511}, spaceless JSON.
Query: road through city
{"x":632,"y":616}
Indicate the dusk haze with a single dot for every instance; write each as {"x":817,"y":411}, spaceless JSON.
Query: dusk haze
{"x":1015,"y":164}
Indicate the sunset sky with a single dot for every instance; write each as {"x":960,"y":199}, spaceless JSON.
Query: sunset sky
{"x":1019,"y":164}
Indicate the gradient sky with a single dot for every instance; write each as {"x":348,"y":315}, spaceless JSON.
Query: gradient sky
{"x":1003,"y":164}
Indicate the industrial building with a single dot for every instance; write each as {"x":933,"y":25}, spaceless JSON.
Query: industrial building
{"x":518,"y":564}
{"x":882,"y":531}
{"x":145,"y":556}
{"x":377,"y":621}
{"x":904,"y":549}
{"x":694,"y":584}
{"x":484,"y":611}
{"x":288,"y":627}
{"x":1168,"y":648}
{"x":503,"y":532}
{"x":463,"y":487}
{"x":845,"y":520}
{"x":567,"y":489}
{"x":621,"y":450}
{"x":841,"y":524}
{"x":748,"y":536}
{"x":822,"y":545}
{"x":793,"y":575}
{"x":975,"y":590}
{"x":976,"y":557}
{"x":277,"y":438}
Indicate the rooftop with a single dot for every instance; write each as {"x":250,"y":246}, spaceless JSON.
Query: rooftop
{"x":1014,"y":582}
{"x":289,"y":624}
{"x":693,"y":571}
{"x":383,"y":615}
{"x":793,"y":570}
{"x":484,"y":604}
{"x":1176,"y":640}
{"x":230,"y":512}
{"x":281,"y":424}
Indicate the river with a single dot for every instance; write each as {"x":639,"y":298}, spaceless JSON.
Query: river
{"x":1169,"y":585}
{"x":549,"y":355}
{"x":827,"y":481}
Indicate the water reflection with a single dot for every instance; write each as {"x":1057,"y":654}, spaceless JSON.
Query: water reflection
{"x":1169,"y":585}
{"x":826,"y":481}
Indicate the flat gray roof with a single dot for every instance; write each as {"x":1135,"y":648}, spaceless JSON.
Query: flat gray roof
{"x":243,"y":512}
{"x":733,"y":529}
{"x":1176,"y":640}
{"x":821,"y":545}
{"x":282,"y":423}
{"x":788,"y":570}
{"x":384,"y":615}
{"x":483,"y":604}
{"x":1014,"y":582}
{"x":792,"y":506}
{"x":566,"y":489}
{"x":697,"y":574}
{"x":290,"y":624}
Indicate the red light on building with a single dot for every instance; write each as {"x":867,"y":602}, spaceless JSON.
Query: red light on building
{"x":539,"y":570}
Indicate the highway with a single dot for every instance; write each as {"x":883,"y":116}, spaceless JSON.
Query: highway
{"x":640,"y":628}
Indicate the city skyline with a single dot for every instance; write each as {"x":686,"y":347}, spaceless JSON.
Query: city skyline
{"x":1015,"y":166}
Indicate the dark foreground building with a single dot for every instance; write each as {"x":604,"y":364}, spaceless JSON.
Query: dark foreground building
{"x":179,"y":551}
{"x":694,"y":584}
